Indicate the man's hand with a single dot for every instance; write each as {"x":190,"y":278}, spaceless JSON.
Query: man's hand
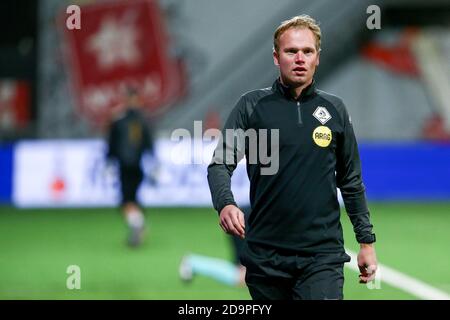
{"x":367,"y":263}
{"x":232,"y":220}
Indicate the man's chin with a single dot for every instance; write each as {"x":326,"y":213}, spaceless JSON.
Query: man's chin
{"x":297,"y":82}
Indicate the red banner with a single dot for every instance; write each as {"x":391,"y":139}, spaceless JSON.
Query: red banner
{"x":121,"y":43}
{"x":14,"y":104}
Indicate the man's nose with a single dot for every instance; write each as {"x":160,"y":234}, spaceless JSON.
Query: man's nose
{"x":299,"y":57}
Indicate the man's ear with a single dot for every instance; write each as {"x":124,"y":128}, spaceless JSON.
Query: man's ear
{"x":318,"y":59}
{"x":275,"y":58}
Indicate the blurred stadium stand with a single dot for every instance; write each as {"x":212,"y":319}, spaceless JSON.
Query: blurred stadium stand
{"x":18,"y":61}
{"x":388,"y":104}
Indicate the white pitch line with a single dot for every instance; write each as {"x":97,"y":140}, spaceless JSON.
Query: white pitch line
{"x":402,"y":281}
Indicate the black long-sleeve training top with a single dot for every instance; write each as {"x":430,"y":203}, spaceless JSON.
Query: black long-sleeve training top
{"x":294,"y":203}
{"x":129,"y":137}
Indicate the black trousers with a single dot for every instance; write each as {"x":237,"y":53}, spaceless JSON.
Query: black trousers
{"x":130,"y":179}
{"x":275,"y":275}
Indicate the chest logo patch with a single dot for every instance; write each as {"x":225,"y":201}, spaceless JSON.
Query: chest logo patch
{"x":322,"y":114}
{"x":322,"y":136}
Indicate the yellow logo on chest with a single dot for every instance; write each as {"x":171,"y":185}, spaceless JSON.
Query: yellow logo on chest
{"x":322,"y":136}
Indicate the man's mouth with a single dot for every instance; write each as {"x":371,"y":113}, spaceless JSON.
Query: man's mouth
{"x":300,"y":69}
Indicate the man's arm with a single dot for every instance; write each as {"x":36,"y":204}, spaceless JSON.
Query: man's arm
{"x":149,"y":140}
{"x":225,"y":159}
{"x":349,"y":180}
{"x":112,"y":142}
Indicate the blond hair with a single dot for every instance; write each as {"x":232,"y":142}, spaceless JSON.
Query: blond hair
{"x":301,"y":21}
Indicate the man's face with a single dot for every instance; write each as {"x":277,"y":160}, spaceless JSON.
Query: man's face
{"x":297,"y":57}
{"x":134,"y":101}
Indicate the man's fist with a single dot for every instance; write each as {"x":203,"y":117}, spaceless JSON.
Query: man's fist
{"x":232,"y":220}
{"x":367,"y":263}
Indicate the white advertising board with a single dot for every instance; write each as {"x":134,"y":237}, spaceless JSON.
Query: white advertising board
{"x":74,"y":173}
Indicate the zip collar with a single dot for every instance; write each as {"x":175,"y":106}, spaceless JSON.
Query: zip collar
{"x":284,"y":90}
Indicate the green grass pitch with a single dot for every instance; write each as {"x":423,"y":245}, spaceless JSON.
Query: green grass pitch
{"x":37,"y":246}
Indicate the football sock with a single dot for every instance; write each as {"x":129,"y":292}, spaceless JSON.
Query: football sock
{"x":218,"y":269}
{"x":135,"y":219}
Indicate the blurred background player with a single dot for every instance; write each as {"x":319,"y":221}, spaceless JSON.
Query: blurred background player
{"x":231,"y":273}
{"x":129,"y":137}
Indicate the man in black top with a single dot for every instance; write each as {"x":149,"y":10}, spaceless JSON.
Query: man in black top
{"x":294,"y":242}
{"x":129,"y":138}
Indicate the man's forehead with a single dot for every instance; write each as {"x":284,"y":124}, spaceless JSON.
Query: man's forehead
{"x":295,"y":37}
{"x":298,"y":33}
